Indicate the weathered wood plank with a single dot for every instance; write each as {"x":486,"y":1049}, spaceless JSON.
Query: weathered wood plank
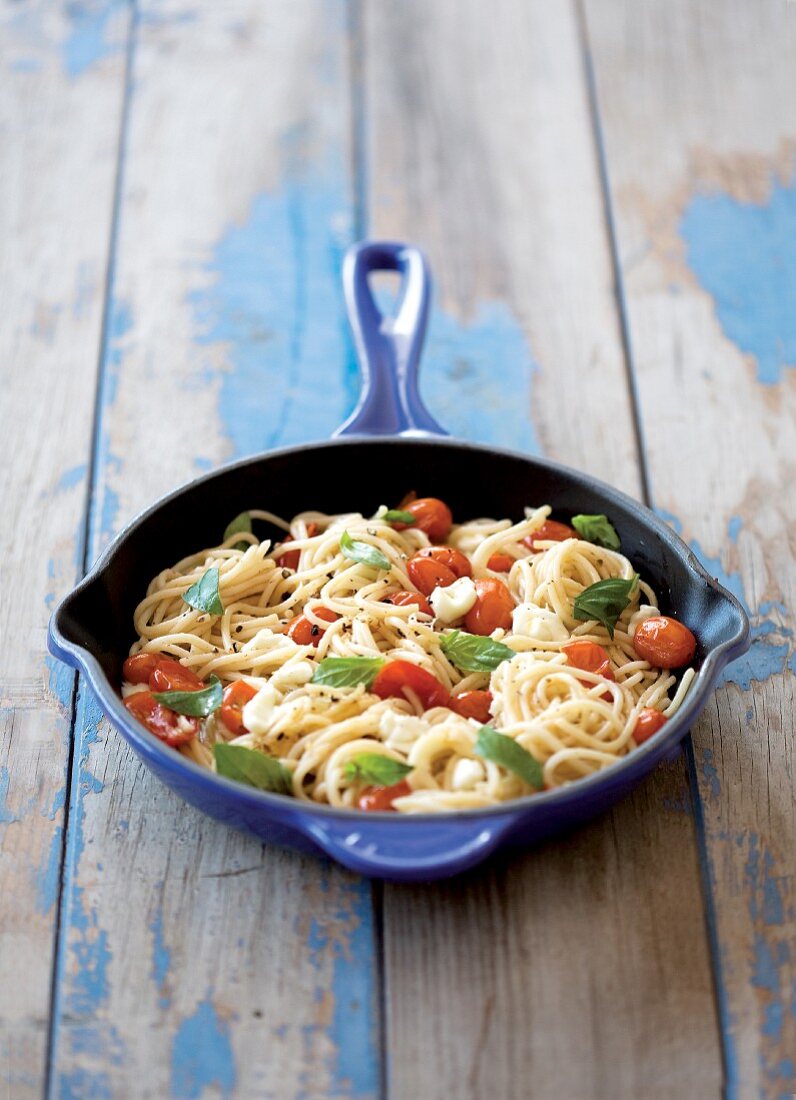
{"x":60,"y":99}
{"x":700,"y":135}
{"x":195,"y":961}
{"x":581,"y":969}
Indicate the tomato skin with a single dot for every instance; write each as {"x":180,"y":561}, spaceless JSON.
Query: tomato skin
{"x":591,"y":658}
{"x":303,"y":632}
{"x":396,"y":675}
{"x":500,"y":563}
{"x":550,"y":531}
{"x":458,"y":563}
{"x":649,"y":721}
{"x":172,"y":676}
{"x":491,"y":610}
{"x":473,"y":704}
{"x":138,"y":669}
{"x":162,"y":721}
{"x":290,"y":559}
{"x":426,"y":574}
{"x":664,"y":642}
{"x":407,"y":599}
{"x":233,"y":700}
{"x":381,"y":798}
{"x":431,"y":515}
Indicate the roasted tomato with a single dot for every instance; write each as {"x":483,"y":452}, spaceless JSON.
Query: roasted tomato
{"x":303,"y":632}
{"x":138,"y":669}
{"x":473,"y":704}
{"x":550,"y":531}
{"x":407,"y":599}
{"x":396,"y":675}
{"x":591,"y":658}
{"x":491,"y":610}
{"x":290,"y":559}
{"x":382,"y":798}
{"x":175,"y":729}
{"x":649,"y":721}
{"x":664,"y":642}
{"x":431,"y":515}
{"x":500,"y":563}
{"x":437,"y":567}
{"x":170,"y":675}
{"x":234,"y":699}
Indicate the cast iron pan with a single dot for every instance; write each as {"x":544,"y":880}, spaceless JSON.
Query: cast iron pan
{"x":395,"y":446}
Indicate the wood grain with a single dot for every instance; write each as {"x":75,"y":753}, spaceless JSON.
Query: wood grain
{"x":195,"y":961}
{"x":59,"y":115}
{"x":581,"y":969}
{"x":697,"y":110}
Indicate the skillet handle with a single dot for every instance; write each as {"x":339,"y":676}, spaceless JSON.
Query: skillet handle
{"x":388,"y":348}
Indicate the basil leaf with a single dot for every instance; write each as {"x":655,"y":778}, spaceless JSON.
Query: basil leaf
{"x":597,"y":529}
{"x":196,"y":703}
{"x":362,"y":552}
{"x":505,"y":752}
{"x":347,"y":672}
{"x":253,"y":768}
{"x":204,"y":594}
{"x":243,"y":522}
{"x":604,"y":601}
{"x":374,"y":767}
{"x":396,"y":515}
{"x":473,"y":653}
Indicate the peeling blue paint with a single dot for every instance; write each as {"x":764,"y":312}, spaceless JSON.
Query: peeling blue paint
{"x":60,"y":681}
{"x":710,"y":776}
{"x":84,"y":1084}
{"x":71,"y":477}
{"x":7,"y":816}
{"x":161,"y":954}
{"x":59,"y":798}
{"x":201,"y":1055}
{"x":92,"y":36}
{"x":744,"y":256}
{"x":48,"y":875}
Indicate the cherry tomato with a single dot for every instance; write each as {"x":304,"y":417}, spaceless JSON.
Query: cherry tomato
{"x":664,"y":642}
{"x":290,"y":559}
{"x":550,"y":531}
{"x":500,"y":563}
{"x":473,"y":704}
{"x":407,"y":599}
{"x":381,"y":798}
{"x":591,"y":658}
{"x":649,"y":721}
{"x":138,"y":669}
{"x":396,"y":675}
{"x":428,"y":574}
{"x":303,"y":632}
{"x":234,"y":699}
{"x":492,"y":608}
{"x":172,"y":676}
{"x":431,"y":515}
{"x":175,"y":729}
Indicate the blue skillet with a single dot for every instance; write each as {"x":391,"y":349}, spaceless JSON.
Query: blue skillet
{"x":390,"y":444}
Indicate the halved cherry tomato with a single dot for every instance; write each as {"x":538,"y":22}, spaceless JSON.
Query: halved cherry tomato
{"x":664,"y":642}
{"x":591,"y":658}
{"x":500,"y":563}
{"x":303,"y":632}
{"x":649,"y":721}
{"x":492,"y":608}
{"x":396,"y":675}
{"x":175,"y":729}
{"x":234,"y":699}
{"x":290,"y":559}
{"x":431,"y":515}
{"x":172,"y":676}
{"x":550,"y":531}
{"x":437,"y":566}
{"x":472,"y":704}
{"x":138,"y":669}
{"x":381,"y":798}
{"x":407,"y":599}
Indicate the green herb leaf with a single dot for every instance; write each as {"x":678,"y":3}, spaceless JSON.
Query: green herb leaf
{"x":252,"y":767}
{"x":204,"y":594}
{"x":604,"y":601}
{"x":597,"y":529}
{"x":374,"y":767}
{"x":243,"y":522}
{"x":347,"y":672}
{"x":395,"y":515}
{"x":196,"y":703}
{"x":362,"y":552}
{"x":506,"y":753}
{"x":474,"y":653}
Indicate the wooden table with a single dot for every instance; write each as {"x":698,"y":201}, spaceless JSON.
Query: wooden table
{"x":606,"y":193}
